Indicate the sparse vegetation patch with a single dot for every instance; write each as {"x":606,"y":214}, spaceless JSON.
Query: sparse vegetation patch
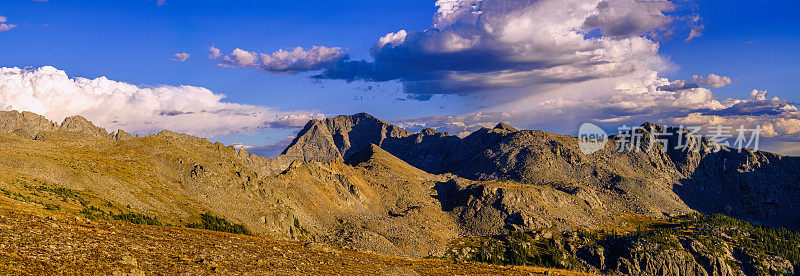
{"x":214,"y":223}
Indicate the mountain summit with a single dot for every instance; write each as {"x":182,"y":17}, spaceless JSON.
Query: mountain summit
{"x":339,"y":137}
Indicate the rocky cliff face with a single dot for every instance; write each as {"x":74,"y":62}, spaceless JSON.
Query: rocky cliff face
{"x":25,"y":124}
{"x":80,"y":124}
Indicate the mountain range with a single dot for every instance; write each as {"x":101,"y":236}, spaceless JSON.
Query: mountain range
{"x":359,"y":183}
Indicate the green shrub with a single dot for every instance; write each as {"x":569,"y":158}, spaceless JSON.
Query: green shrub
{"x":214,"y":223}
{"x":92,"y":212}
{"x":136,"y":218}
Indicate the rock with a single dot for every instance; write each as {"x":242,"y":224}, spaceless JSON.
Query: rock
{"x":776,"y":265}
{"x":121,"y":135}
{"x":25,"y":124}
{"x":504,"y":128}
{"x":641,"y":258}
{"x":313,"y":143}
{"x":760,"y":264}
{"x":80,"y":124}
{"x":129,"y":260}
{"x":166,"y":134}
{"x":594,"y":255}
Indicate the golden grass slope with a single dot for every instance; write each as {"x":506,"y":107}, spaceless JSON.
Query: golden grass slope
{"x":37,"y":243}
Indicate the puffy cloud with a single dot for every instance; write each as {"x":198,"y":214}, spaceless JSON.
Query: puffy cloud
{"x":712,"y":80}
{"x":392,"y":39}
{"x":678,"y":85}
{"x":626,"y":18}
{"x":214,"y":52}
{"x":118,"y":105}
{"x":182,"y":57}
{"x":293,"y":120}
{"x":4,"y":26}
{"x":757,"y":95}
{"x":282,"y":61}
{"x":527,"y":46}
{"x":239,"y":58}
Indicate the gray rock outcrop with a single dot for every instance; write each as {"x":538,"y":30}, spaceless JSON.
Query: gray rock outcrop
{"x":25,"y":124}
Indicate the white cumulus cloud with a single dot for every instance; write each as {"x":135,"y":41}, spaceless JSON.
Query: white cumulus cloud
{"x":4,"y":26}
{"x":214,"y":52}
{"x":118,"y":105}
{"x":182,"y":57}
{"x":712,"y":80}
{"x":293,"y":60}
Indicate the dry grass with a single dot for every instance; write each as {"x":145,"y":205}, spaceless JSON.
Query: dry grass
{"x":44,"y":243}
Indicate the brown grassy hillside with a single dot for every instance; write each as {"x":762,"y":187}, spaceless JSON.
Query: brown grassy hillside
{"x":33,"y":242}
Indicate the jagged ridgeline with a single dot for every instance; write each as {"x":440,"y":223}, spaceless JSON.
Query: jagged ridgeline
{"x":359,"y":182}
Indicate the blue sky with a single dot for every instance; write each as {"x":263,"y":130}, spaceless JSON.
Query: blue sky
{"x":756,"y":42}
{"x":133,"y":41}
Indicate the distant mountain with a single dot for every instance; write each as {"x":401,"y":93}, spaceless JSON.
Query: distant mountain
{"x":359,"y":182}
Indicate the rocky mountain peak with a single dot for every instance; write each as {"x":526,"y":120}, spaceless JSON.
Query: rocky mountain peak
{"x":428,"y":132}
{"x":81,"y":124}
{"x":505,"y":127}
{"x":122,"y":135}
{"x":340,"y":137}
{"x":25,"y":124}
{"x":313,"y":143}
